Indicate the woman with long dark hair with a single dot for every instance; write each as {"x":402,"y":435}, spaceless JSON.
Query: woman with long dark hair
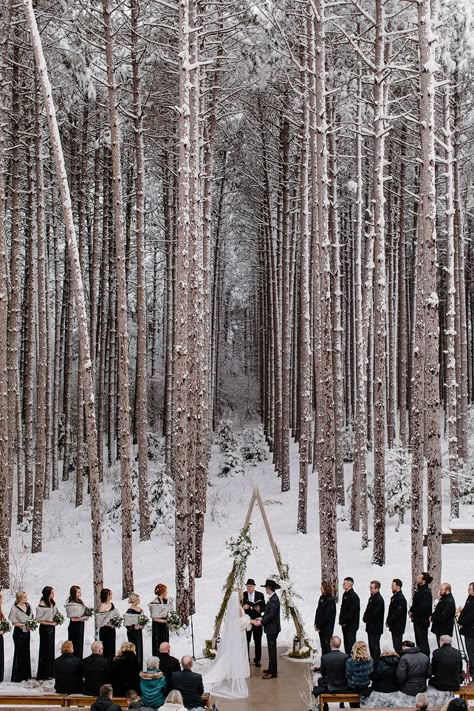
{"x":44,"y":614}
{"x":19,"y":615}
{"x":134,"y":632}
{"x":75,"y":630}
{"x":106,"y":630}
{"x":159,"y":629}
{"x":325,"y":617}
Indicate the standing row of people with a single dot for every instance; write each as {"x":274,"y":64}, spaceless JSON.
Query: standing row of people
{"x":107,"y":618}
{"x":421,"y":614}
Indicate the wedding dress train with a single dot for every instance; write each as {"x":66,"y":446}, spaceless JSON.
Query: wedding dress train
{"x":228,"y":673}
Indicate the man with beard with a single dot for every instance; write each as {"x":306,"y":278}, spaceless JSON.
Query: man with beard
{"x":397,"y":614}
{"x":442,"y":619}
{"x":420,"y":611}
{"x":373,"y":618}
{"x":349,"y":614}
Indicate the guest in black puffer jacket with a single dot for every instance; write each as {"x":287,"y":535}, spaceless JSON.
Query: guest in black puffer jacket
{"x":384,"y":676}
{"x":67,"y":670}
{"x":413,"y":669}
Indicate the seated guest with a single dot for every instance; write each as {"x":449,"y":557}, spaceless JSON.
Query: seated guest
{"x":333,"y":670}
{"x":189,"y":684}
{"x":168,"y":664}
{"x":67,"y":670}
{"x":421,"y":702}
{"x":153,"y":683}
{"x":413,"y":669}
{"x":134,"y":701}
{"x":104,"y":701}
{"x":457,"y":705}
{"x":359,"y":667}
{"x":173,"y":702}
{"x":446,"y":666}
{"x":95,"y":670}
{"x":125,"y":670}
{"x":384,"y":675}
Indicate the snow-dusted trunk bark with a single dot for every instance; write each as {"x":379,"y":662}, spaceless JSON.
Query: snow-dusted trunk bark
{"x":402,"y":303}
{"x":304,"y":359}
{"x":380,"y":298}
{"x":41,"y":366}
{"x":141,"y":368}
{"x":285,"y":309}
{"x":29,"y":359}
{"x":325,"y":438}
{"x":122,"y":328}
{"x":450,"y":319}
{"x":4,"y":459}
{"x":76,"y":276}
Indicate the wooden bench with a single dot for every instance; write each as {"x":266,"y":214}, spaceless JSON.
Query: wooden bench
{"x":466,"y":692}
{"x":66,"y":700}
{"x":343,"y":696}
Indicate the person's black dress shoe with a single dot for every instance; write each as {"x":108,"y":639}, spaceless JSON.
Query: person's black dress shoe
{"x":269,"y":676}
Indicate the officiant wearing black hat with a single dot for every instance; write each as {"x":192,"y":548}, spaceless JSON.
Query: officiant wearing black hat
{"x":271,"y":625}
{"x":253,"y":603}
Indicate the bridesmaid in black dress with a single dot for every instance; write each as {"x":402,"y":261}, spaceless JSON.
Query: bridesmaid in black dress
{"x":159,"y":629}
{"x":75,"y":630}
{"x":107,"y":632}
{"x":2,"y":667}
{"x":134,"y":632}
{"x":47,"y":630}
{"x":20,"y":612}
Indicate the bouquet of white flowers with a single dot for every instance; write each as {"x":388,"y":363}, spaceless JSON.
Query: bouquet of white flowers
{"x":143,"y":620}
{"x":5,"y":626}
{"x":88,"y":611}
{"x":174,"y":621}
{"x":31,"y":624}
{"x":58,"y":618}
{"x":116,"y":622}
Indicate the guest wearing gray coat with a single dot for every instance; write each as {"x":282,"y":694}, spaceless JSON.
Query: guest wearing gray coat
{"x":413,"y":669}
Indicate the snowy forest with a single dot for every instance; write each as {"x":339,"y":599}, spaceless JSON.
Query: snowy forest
{"x":224,"y":213}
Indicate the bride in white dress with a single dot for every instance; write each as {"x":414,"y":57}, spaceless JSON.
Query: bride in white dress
{"x":228,"y":673}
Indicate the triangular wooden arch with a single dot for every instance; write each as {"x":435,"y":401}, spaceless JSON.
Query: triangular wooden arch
{"x":256,"y":498}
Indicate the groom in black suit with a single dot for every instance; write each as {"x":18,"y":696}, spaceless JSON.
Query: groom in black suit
{"x":271,"y":624}
{"x":254,"y":605}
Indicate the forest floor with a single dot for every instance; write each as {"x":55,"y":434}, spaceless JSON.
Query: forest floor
{"x":66,"y":556}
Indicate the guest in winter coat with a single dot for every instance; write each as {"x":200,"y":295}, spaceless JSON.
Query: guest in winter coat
{"x":420,"y":612}
{"x":173,"y":702}
{"x":397,"y":614}
{"x":325,"y":616}
{"x":359,"y":668}
{"x":95,"y":669}
{"x":333,"y":670}
{"x":125,"y":670}
{"x":152,"y":683}
{"x":442,"y":619}
{"x":446,"y":666}
{"x":134,"y":702}
{"x":384,"y":676}
{"x":466,"y":626}
{"x":349,"y":614}
{"x":373,"y":617}
{"x":104,"y":701}
{"x":67,"y":670}
{"x":413,"y":669}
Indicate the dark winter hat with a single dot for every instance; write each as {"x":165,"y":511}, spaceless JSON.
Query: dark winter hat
{"x":272,"y":584}
{"x":250,"y":581}
{"x":457,"y":705}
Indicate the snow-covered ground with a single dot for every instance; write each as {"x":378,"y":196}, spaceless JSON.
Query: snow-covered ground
{"x":66,"y":556}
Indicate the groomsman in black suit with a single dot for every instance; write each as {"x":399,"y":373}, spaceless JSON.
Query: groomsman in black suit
{"x":271,"y":624}
{"x":254,"y":605}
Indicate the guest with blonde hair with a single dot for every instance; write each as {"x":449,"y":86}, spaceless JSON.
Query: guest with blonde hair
{"x":384,"y":675}
{"x":173,"y":702}
{"x":359,"y":668}
{"x":125,"y":671}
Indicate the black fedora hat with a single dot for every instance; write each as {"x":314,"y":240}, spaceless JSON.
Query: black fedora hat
{"x":272,"y":584}
{"x":250,"y":581}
